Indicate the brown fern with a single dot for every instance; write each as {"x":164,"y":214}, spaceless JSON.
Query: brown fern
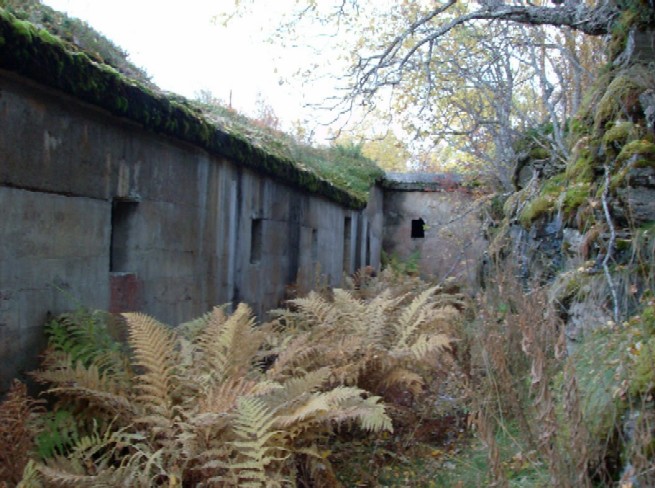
{"x":153,"y":346}
{"x":77,"y":382}
{"x":16,"y":432}
{"x":227,"y":345}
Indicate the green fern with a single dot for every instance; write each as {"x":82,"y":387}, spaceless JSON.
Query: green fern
{"x":59,"y":432}
{"x":85,"y":336}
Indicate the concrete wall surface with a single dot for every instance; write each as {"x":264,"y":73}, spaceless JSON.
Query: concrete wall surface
{"x":451,"y":242}
{"x":98,"y":212}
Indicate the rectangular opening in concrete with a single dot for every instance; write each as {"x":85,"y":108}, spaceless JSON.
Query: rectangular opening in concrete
{"x":314,"y":245}
{"x":418,"y":229}
{"x":368,"y":248}
{"x":347,"y":234}
{"x":256,"y":237}
{"x":122,"y":219}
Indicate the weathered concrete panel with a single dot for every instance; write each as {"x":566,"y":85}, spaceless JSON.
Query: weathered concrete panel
{"x":452,"y":242}
{"x":53,"y":258}
{"x":122,"y":218}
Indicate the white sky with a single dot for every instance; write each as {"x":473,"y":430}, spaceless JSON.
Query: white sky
{"x":184,"y":52}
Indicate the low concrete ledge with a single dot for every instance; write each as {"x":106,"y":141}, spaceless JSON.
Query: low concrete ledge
{"x":423,"y":182}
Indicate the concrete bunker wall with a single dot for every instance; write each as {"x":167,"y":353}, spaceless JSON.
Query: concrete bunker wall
{"x":98,"y":212}
{"x":436,"y":223}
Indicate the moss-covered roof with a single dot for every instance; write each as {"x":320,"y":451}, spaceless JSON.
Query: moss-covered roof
{"x":43,"y":57}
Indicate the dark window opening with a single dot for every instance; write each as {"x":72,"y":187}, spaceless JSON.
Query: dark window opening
{"x":368,"y":249}
{"x":314,"y":244}
{"x":347,"y":234}
{"x":418,"y":229}
{"x":122,"y":217}
{"x":256,"y":238}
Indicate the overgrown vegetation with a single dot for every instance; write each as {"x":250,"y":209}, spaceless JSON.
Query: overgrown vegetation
{"x":222,"y":402}
{"x":77,"y":34}
{"x":395,"y":382}
{"x":589,"y":247}
{"x":96,"y":71}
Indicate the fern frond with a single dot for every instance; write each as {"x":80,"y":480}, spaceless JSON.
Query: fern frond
{"x":298,"y":386}
{"x":339,"y":405}
{"x":412,"y":316}
{"x":371,"y":414}
{"x":313,"y":310}
{"x":428,"y":344}
{"x":210,"y":348}
{"x":379,"y":312}
{"x":293,"y":355}
{"x":31,"y":477}
{"x":349,"y":309}
{"x":66,"y":479}
{"x":316,"y":405}
{"x":58,"y":432}
{"x":253,"y":428}
{"x":224,"y":397}
{"x":16,"y":432}
{"x":253,"y":422}
{"x":154,"y":350}
{"x":85,"y":336}
{"x":227,"y":345}
{"x":87,"y":383}
{"x":404,"y":378}
{"x":90,"y":462}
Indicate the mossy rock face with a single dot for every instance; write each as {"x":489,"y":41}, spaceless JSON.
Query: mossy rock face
{"x":583,"y":164}
{"x":582,"y":170}
{"x":575,"y":196}
{"x":598,"y":363}
{"x":618,"y":135}
{"x":638,"y":154}
{"x":620,"y":100}
{"x":536,"y":208}
{"x":635,"y":165}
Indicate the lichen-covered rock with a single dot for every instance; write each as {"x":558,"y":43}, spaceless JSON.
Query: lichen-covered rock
{"x":583,"y":317}
{"x":647,"y":101}
{"x":639,"y":195}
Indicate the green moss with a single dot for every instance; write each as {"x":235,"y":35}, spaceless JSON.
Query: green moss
{"x":620,"y":93}
{"x":642,"y":380}
{"x":343,"y":178}
{"x":545,"y":202}
{"x":541,"y":205}
{"x":24,"y":28}
{"x":648,"y":320}
{"x":619,"y":134}
{"x":554,"y":185}
{"x":634,"y":14}
{"x":537,"y":153}
{"x":49,"y":38}
{"x":579,"y":127}
{"x":574,"y":197}
{"x":635,"y":154}
{"x":599,"y":366}
{"x":582,"y":169}
{"x":640,"y":153}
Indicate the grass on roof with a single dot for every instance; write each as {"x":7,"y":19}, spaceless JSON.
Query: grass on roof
{"x":343,"y":167}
